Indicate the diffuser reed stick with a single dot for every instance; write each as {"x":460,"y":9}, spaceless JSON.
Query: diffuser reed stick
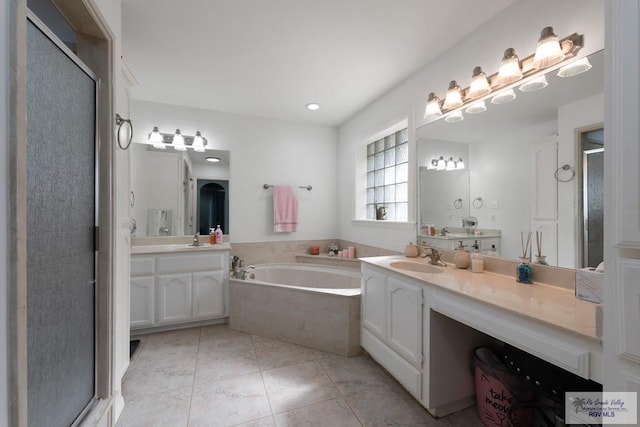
{"x":539,"y":242}
{"x":525,"y":248}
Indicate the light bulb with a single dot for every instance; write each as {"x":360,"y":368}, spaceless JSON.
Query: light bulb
{"x":510,"y":70}
{"x":198,"y":143}
{"x":479,"y":84}
{"x":454,"y":96}
{"x":548,"y":51}
{"x":460,"y":164}
{"x":433,"y":106}
{"x":156,"y":139}
{"x":441,"y":164}
{"x":451,"y":165}
{"x":178,"y":141}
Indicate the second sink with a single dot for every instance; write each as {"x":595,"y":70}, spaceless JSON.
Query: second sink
{"x":414,"y":266}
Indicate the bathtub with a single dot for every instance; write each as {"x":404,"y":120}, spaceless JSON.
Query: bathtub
{"x":311,"y":305}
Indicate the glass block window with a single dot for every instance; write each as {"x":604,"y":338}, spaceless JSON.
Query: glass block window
{"x":387,"y":176}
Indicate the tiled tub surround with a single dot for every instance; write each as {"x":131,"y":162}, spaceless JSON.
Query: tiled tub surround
{"x":290,"y":251}
{"x":311,"y":305}
{"x":544,"y":320}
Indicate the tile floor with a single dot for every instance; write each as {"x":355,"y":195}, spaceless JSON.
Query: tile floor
{"x":213,"y":376}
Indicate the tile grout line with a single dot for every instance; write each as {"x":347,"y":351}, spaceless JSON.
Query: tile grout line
{"x":337,"y":388}
{"x":264,"y":385}
{"x":193,"y":382}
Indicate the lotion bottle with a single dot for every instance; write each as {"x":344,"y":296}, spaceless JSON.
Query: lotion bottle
{"x":218,"y":234}
{"x":212,"y":236}
{"x":462,"y":258}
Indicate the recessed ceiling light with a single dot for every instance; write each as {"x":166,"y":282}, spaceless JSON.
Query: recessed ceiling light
{"x":213,"y":159}
{"x":313,"y":106}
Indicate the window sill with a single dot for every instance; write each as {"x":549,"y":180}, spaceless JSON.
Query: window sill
{"x":399,"y":225}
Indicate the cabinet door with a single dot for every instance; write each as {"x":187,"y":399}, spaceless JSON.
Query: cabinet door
{"x":208,"y":295}
{"x":142,"y":302}
{"x":405,"y":320}
{"x":374,"y":303}
{"x":174,"y":299}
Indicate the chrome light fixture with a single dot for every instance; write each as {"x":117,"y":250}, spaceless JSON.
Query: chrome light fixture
{"x":433,"y":106}
{"x":177,"y":140}
{"x":576,"y":67}
{"x":510,"y":70}
{"x":549,"y":51}
{"x":549,"y":55}
{"x":479,"y":84}
{"x":454,"y":96}
{"x":446,"y":165}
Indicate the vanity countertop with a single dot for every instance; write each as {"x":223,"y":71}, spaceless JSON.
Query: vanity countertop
{"x":552,"y":305}
{"x":178,"y":247}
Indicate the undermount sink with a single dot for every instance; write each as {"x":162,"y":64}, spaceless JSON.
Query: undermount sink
{"x":414,"y":266}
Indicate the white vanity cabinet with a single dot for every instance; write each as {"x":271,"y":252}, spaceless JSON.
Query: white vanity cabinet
{"x":392,"y":326}
{"x":178,"y":288}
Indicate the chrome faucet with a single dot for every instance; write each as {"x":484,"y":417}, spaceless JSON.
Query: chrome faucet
{"x":244,"y":273}
{"x":444,"y":231}
{"x":434,"y":257}
{"x":196,"y":239}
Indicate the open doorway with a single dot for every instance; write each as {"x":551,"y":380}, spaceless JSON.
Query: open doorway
{"x":592,"y":200}
{"x":213,"y":205}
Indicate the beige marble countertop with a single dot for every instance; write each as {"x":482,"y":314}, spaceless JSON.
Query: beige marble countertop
{"x":553,"y":305}
{"x":178,"y":247}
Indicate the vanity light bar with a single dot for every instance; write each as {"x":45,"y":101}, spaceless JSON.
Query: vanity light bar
{"x":166,"y":139}
{"x":569,"y":45}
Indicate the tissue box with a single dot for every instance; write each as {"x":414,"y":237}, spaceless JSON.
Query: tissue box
{"x":589,"y":285}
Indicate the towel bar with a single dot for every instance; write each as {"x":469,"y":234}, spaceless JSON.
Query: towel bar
{"x":308,"y":187}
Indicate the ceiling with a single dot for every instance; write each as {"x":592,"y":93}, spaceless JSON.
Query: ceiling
{"x":271,"y":58}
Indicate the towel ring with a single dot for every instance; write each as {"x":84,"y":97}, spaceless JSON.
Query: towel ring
{"x":565,"y":168}
{"x":457,"y":203}
{"x":478,"y":202}
{"x":120,"y":122}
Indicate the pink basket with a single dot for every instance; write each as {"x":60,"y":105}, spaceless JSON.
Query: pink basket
{"x":497,"y":389}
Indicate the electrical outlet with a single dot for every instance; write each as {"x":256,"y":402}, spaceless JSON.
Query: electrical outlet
{"x":494,"y":204}
{"x":493,"y":218}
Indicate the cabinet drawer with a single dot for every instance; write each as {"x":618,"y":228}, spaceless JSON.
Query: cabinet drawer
{"x":186,"y":263}
{"x":142,"y":266}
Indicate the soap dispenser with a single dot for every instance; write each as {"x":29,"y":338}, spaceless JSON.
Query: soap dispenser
{"x":212,"y":236}
{"x":461,"y":258}
{"x":411,"y":250}
{"x":218,"y":235}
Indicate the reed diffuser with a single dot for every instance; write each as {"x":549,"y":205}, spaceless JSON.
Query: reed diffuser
{"x":524,"y":271}
{"x":540,"y":259}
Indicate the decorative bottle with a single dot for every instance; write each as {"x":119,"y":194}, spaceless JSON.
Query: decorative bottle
{"x":462,"y":258}
{"x":524,"y":271}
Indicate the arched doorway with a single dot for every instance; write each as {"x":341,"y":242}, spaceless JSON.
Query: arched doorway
{"x":213,"y":205}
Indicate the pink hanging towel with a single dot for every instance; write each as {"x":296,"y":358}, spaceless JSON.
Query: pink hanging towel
{"x":285,"y":209}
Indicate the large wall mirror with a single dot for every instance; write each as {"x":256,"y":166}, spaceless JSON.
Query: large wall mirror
{"x":178,"y":193}
{"x":522,"y":161}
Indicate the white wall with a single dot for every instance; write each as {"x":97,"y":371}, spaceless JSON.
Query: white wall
{"x":5,"y":212}
{"x":262,"y":151}
{"x":519,"y":27}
